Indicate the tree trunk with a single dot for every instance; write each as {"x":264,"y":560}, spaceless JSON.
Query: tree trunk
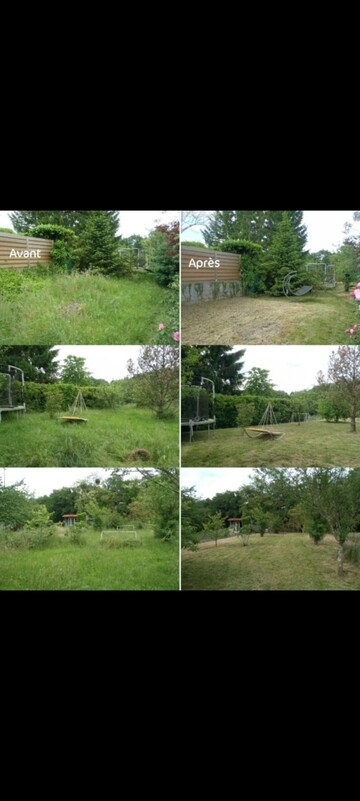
{"x":340,"y":561}
{"x":353,"y":415}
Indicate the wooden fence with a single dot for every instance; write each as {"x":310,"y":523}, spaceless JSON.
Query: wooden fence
{"x":24,"y":251}
{"x":199,"y":265}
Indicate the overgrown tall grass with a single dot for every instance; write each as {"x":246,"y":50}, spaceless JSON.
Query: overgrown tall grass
{"x":80,"y":308}
{"x":64,"y":565}
{"x":109,"y":438}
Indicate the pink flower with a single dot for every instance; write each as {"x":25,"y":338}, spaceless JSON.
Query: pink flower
{"x":352,"y":294}
{"x":161,"y":327}
{"x":176,"y":336}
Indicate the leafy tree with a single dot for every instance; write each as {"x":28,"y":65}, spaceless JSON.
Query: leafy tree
{"x":98,"y":246}
{"x":37,"y":361}
{"x":219,"y":363}
{"x":347,"y":262}
{"x":344,"y":373}
{"x":258,"y":383}
{"x":284,"y":256}
{"x":257,"y":226}
{"x":191,"y":518}
{"x":214,"y":527}
{"x":74,"y":371}
{"x":330,"y":496}
{"x":157,"y":385}
{"x":60,"y":502}
{"x":163,"y":250}
{"x":16,"y":505}
{"x":40,"y":518}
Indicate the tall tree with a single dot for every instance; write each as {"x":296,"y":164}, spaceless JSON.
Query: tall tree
{"x":98,"y":245}
{"x":256,"y":226}
{"x":219,"y":363}
{"x":190,"y":219}
{"x":60,"y":502}
{"x":74,"y":371}
{"x":37,"y":361}
{"x":284,"y":256}
{"x":163,"y":252}
{"x":16,"y":505}
{"x":24,"y":221}
{"x":257,"y":382}
{"x":344,"y":373}
{"x":157,"y":377}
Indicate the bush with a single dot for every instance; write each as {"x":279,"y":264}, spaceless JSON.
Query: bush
{"x":27,"y":540}
{"x":54,"y":232}
{"x":117,"y":542}
{"x":317,"y":530}
{"x":250,"y":265}
{"x":226,"y":411}
{"x":193,"y":245}
{"x":11,"y":282}
{"x":76,"y":537}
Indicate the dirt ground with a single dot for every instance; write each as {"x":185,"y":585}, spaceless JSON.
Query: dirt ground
{"x":241,"y":319}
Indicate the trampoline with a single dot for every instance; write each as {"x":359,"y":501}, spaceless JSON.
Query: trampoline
{"x":198,"y":407}
{"x":12,"y":391}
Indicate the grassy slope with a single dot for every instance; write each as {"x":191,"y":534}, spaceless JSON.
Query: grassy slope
{"x":84,"y":309}
{"x":319,"y":318}
{"x":63,"y":566}
{"x":307,"y":445}
{"x":274,"y":562}
{"x":107,"y":439}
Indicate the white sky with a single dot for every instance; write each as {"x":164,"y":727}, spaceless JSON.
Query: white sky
{"x":291,"y":367}
{"x":208,"y":481}
{"x":43,"y":480}
{"x":103,"y":361}
{"x":325,"y":229}
{"x":131,"y":222}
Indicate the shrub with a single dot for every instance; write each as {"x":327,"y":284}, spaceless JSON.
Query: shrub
{"x":250,"y":266}
{"x":11,"y":282}
{"x":53,"y":402}
{"x":193,"y":244}
{"x":76,"y":537}
{"x":27,"y":540}
{"x":54,"y":232}
{"x":225,"y":411}
{"x":317,"y":530}
{"x":352,"y":551}
{"x":117,"y":542}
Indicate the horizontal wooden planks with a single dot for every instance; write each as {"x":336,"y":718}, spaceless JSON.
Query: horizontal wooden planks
{"x":222,"y":267}
{"x":19,"y":244}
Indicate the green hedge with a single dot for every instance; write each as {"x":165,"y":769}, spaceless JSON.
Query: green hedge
{"x":104,"y":397}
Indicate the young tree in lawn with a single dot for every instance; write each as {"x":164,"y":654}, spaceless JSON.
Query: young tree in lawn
{"x":214,"y":527}
{"x":157,"y":372}
{"x":37,"y":361}
{"x":257,"y":382}
{"x":344,"y":374}
{"x":74,"y":371}
{"x":331,"y":496}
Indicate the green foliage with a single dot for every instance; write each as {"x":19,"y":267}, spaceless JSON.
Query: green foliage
{"x":24,"y":221}
{"x":60,"y":256}
{"x":284,"y":256}
{"x":333,"y":407}
{"x":26,"y":540}
{"x":40,"y":519}
{"x":11,"y":282}
{"x":170,"y":317}
{"x":352,"y":552}
{"x":219,"y":363}
{"x":118,"y":542}
{"x":73,"y":371}
{"x":98,"y":246}
{"x":75,"y":536}
{"x":37,"y":361}
{"x":226,"y":412}
{"x":316,"y":529}
{"x":6,"y":231}
{"x":60,"y":502}
{"x":214,"y":527}
{"x":163,"y":250}
{"x":256,"y":226}
{"x":192,"y":244}
{"x":54,"y":232}
{"x":53,"y":401}
{"x":15,"y":506}
{"x":157,"y":372}
{"x":257,"y":382}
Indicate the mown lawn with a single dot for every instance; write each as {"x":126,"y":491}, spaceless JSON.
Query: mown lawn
{"x":311,"y":444}
{"x":63,"y":566}
{"x":83,"y":309}
{"x":272,"y":562}
{"x":108,"y":439}
{"x":319,"y":318}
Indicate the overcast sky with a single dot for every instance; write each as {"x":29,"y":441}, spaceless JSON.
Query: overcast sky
{"x":131,"y":222}
{"x":325,"y":229}
{"x":209,"y":481}
{"x":43,"y":480}
{"x":291,"y":367}
{"x":103,"y":361}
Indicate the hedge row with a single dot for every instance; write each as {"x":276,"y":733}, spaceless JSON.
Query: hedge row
{"x":247,"y":410}
{"x":103,"y":397}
